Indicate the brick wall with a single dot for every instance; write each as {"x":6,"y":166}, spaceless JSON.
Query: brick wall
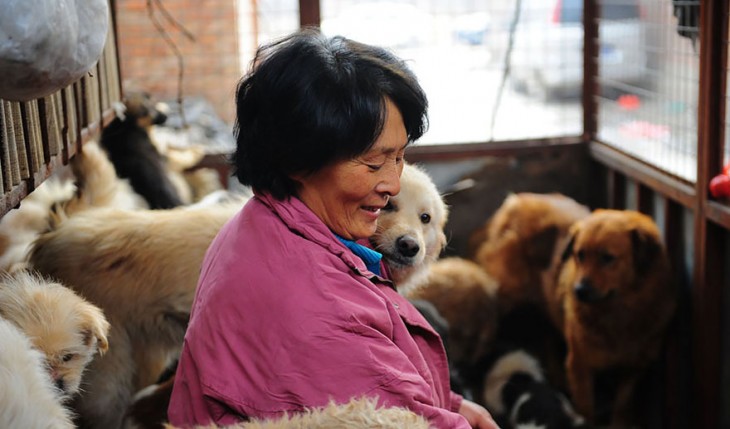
{"x":211,"y":62}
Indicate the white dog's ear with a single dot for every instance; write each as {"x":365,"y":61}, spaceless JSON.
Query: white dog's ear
{"x":95,"y":327}
{"x":442,"y":241}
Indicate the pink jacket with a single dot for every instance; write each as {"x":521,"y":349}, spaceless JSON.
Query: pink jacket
{"x":286,"y":317}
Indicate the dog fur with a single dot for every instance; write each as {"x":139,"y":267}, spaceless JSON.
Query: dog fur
{"x":359,"y":413}
{"x":134,"y":156}
{"x":97,"y":184}
{"x":91,"y":182}
{"x":148,"y":409}
{"x":466,"y":296}
{"x":28,"y":397}
{"x":67,"y":329}
{"x":141,"y":267}
{"x":410,"y":232}
{"x":20,"y":226}
{"x":610,"y":292}
{"x":520,"y":240}
{"x":518,"y":395}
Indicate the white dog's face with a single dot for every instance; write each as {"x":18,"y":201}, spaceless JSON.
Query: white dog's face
{"x":410,"y":232}
{"x":67,"y":329}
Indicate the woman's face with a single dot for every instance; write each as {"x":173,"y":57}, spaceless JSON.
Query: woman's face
{"x":348,"y":195}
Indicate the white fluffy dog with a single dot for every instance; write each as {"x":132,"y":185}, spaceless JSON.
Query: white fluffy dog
{"x":359,"y":413}
{"x":67,"y":329}
{"x":28,"y":398}
{"x":410,"y":232}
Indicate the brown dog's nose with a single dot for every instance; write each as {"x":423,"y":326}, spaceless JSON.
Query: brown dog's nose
{"x":585,"y":292}
{"x":407,"y":246}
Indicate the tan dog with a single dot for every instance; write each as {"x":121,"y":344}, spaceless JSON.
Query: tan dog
{"x":611,"y":293}
{"x":466,"y":296}
{"x":28,"y":398}
{"x":20,"y":226}
{"x":141,"y":267}
{"x":361,"y":413}
{"x":410,"y":232}
{"x":96,"y":185}
{"x":520,"y":241}
{"x":64,"y":327}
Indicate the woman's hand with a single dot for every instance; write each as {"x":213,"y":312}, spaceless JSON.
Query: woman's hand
{"x":477,"y":416}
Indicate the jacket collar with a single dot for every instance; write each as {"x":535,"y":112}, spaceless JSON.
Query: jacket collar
{"x":300,"y":219}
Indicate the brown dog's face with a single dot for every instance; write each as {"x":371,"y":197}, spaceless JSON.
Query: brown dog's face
{"x":141,"y":108}
{"x":609,"y":254}
{"x":410,"y":231}
{"x":68,"y":330}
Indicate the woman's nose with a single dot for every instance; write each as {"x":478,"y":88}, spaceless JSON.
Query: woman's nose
{"x":390,"y":182}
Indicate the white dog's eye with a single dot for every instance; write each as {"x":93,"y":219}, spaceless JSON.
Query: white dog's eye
{"x":68,"y":357}
{"x":425,"y":218}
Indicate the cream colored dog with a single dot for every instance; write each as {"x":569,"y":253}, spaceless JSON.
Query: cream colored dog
{"x":67,"y":329}
{"x":28,"y":398}
{"x":141,"y":267}
{"x":360,"y":413}
{"x":410,"y":232}
{"x":96,"y":185}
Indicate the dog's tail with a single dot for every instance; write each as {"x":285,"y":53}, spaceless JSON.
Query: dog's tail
{"x":97,"y":185}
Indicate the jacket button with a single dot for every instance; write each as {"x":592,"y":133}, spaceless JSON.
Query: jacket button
{"x":395,"y":304}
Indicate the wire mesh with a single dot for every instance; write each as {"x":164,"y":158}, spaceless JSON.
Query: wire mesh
{"x":463,"y":53}
{"x":649,"y":80}
{"x":726,"y":146}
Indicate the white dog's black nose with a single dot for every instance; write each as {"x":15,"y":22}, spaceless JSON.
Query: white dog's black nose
{"x":407,"y":246}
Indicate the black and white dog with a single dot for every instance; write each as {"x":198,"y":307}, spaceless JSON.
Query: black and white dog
{"x":516,"y":393}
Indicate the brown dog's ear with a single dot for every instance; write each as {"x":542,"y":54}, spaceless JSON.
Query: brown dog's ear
{"x":541,"y":246}
{"x":95,"y":325}
{"x":646,"y":248}
{"x":568,"y":250}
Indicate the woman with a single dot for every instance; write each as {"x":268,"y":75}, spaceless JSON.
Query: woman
{"x":291,"y":311}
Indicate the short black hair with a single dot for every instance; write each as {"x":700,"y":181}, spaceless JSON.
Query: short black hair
{"x":311,"y":100}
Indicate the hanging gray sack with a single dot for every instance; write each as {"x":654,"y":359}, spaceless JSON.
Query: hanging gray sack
{"x":46,"y":45}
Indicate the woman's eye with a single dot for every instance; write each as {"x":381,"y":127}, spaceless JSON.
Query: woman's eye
{"x":374,"y":167}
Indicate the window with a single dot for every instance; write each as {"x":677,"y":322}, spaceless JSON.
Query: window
{"x":500,"y":71}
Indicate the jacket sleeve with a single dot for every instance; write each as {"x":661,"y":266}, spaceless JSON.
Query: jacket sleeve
{"x":456,"y":401}
{"x":405,"y":387}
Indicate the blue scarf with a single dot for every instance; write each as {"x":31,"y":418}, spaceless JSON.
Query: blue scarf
{"x":369,"y":256}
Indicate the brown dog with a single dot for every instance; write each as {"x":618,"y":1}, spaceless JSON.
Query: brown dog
{"x":466,"y":297}
{"x":610,"y":292}
{"x":519,"y":241}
